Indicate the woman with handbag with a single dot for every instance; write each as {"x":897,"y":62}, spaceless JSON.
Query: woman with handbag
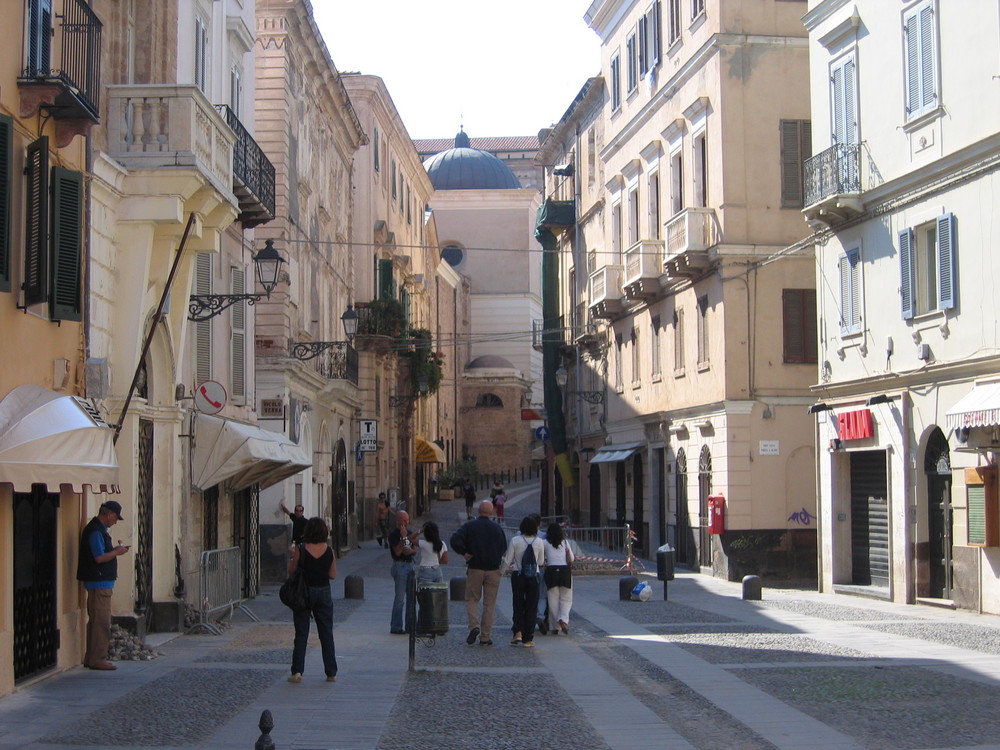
{"x":316,"y":560}
{"x":558,"y":578}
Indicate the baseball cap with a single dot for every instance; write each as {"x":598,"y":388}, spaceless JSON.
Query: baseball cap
{"x":115,"y":506}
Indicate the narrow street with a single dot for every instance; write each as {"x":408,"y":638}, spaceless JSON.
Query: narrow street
{"x":704,"y":669}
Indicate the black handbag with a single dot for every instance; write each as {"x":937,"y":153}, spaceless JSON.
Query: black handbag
{"x":294,"y":593}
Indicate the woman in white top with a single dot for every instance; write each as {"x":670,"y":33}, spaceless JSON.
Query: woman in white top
{"x":558,"y":578}
{"x":525,"y":552}
{"x":433,"y":552}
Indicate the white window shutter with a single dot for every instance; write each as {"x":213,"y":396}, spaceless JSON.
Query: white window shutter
{"x":238,"y":353}
{"x":907,"y":283}
{"x":947,"y":284}
{"x":203,"y":330}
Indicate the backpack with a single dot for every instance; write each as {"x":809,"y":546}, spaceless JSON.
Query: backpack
{"x":529,"y":566}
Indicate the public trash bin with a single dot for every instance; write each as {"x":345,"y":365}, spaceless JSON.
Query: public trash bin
{"x":432,"y":599}
{"x":665,"y":563}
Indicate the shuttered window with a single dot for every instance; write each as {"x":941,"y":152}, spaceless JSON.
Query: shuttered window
{"x":200,"y":54}
{"x":703,"y":340}
{"x":921,"y":60}
{"x":796,"y":147}
{"x":36,"y":225}
{"x":649,"y":39}
{"x":39,"y":37}
{"x":850,"y":292}
{"x":981,"y":495}
{"x":238,"y":338}
{"x":678,"y":341}
{"x":386,"y":283}
{"x":6,"y":183}
{"x":927,"y":267}
{"x":616,"y":82}
{"x":67,"y":242}
{"x":799,"y":325}
{"x":203,"y":330}
{"x":843,"y":81}
{"x":631,"y":63}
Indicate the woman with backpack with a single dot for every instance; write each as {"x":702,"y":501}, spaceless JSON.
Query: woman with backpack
{"x":525,"y":553}
{"x":558,"y":578}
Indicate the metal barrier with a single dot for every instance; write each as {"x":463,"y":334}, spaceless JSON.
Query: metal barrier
{"x":602,"y":549}
{"x":221,"y":577}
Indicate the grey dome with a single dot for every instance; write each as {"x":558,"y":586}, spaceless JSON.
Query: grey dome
{"x":465,"y":168}
{"x":489,"y":362}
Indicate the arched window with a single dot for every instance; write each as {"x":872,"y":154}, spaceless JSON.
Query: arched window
{"x":453,"y":255}
{"x":489,"y":401}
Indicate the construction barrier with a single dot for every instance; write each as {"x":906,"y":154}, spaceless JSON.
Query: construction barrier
{"x":220,"y":578}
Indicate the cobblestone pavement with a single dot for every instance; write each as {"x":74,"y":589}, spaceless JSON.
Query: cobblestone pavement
{"x":702,"y":670}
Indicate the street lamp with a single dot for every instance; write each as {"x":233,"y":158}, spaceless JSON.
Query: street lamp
{"x":267,"y":263}
{"x":591,"y":397}
{"x":310,"y":349}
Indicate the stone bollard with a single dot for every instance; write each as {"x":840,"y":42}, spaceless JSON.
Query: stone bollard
{"x":625,"y":586}
{"x":266,"y":724}
{"x":456,"y":588}
{"x":752,"y":588}
{"x":354,"y":587}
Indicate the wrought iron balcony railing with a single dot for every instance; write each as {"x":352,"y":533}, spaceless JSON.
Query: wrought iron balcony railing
{"x":835,"y":171}
{"x":75,"y":75}
{"x":253,"y":173}
{"x":333,"y":360}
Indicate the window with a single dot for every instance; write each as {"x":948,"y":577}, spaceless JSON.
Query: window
{"x":850,"y":292}
{"x":453,"y":255}
{"x":921,"y":60}
{"x":633,"y":216}
{"x":591,"y":156}
{"x":798,"y":310}
{"x":378,"y":395}
{"x":631,"y":63}
{"x":393,"y":175}
{"x":926,"y":267}
{"x":703,"y":342}
{"x":679,"y":341}
{"x":237,"y":344}
{"x":619,"y":384}
{"x":636,"y":358}
{"x":673,"y":21}
{"x":616,"y":231}
{"x":39,"y":37}
{"x":654,"y":341}
{"x":201,"y":54}
{"x":409,"y":206}
{"x":203,"y":329}
{"x":843,"y":83}
{"x":6,"y":184}
{"x":386,"y":281}
{"x":701,"y":170}
{"x":796,"y":147}
{"x":676,"y":183}
{"x":616,"y":82}
{"x":653,"y":214}
{"x":697,"y":8}
{"x":489,"y":401}
{"x":649,"y":39}
{"x":236,"y":91}
{"x":378,"y":160}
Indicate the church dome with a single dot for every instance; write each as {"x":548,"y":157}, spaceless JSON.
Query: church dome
{"x":489,"y":362}
{"x":466,"y":168}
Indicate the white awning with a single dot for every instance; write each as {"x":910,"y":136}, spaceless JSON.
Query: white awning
{"x":613,"y":453}
{"x":980,"y":407}
{"x":242,"y":453}
{"x":53,"y":439}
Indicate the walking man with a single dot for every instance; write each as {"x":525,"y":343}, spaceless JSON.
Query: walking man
{"x":97,"y":567}
{"x":403,"y":551}
{"x":483,"y":544}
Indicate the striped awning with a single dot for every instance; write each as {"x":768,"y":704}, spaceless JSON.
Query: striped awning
{"x":980,"y":407}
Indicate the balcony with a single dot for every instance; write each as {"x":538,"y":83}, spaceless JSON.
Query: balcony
{"x":689,"y":236}
{"x":643,"y":269}
{"x":253,"y":174}
{"x":160,"y":126}
{"x":606,"y":297}
{"x":537,"y":326}
{"x":339,"y":362}
{"x":834,"y":180}
{"x":67,"y":87}
{"x":382,"y":326}
{"x":583,"y":330}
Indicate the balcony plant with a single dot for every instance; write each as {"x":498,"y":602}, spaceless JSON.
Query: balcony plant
{"x":426,"y":364}
{"x":381,"y":317}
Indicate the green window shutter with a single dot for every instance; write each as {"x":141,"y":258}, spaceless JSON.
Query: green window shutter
{"x":405,"y":299}
{"x":386,"y":286}
{"x":67,"y":244}
{"x":36,"y":223}
{"x":6,"y":165}
{"x":977,"y":514}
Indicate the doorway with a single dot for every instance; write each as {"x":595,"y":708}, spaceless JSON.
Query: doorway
{"x":869,"y":519}
{"x":595,"y":495}
{"x":641,"y":531}
{"x":937,"y":467}
{"x":36,"y":639}
{"x":704,"y":490}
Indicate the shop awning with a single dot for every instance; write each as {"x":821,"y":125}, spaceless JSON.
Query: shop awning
{"x":428,"y":452}
{"x":242,"y":453}
{"x":53,"y":439}
{"x":612,"y":453}
{"x":980,"y":407}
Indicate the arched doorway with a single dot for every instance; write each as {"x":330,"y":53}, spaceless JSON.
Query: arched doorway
{"x":637,"y":503}
{"x":937,"y":467}
{"x":338,"y":497}
{"x":704,"y":490}
{"x":686,"y":551}
{"x":595,"y":495}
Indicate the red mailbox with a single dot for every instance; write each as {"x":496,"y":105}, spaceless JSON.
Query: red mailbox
{"x":716,"y":514}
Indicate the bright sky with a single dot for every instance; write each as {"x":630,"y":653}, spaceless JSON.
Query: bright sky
{"x":499,"y":69}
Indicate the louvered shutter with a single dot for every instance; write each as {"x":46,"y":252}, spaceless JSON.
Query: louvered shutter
{"x":238,"y":340}
{"x":203,"y":329}
{"x":907,"y":282}
{"x":947,"y":284}
{"x":39,"y":37}
{"x":36,"y":229}
{"x":67,"y":243}
{"x":912,"y":63}
{"x":386,"y":288}
{"x":657,"y":33}
{"x":791,"y":303}
{"x":6,"y":181}
{"x":796,"y":147}
{"x":405,"y":299}
{"x":850,"y":292}
{"x":928,"y":93}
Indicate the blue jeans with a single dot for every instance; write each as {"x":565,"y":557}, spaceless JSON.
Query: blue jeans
{"x":321,"y":610}
{"x":429,"y":575}
{"x":400,"y":575}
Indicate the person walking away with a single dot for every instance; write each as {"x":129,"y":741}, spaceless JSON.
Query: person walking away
{"x":543,"y":600}
{"x":433,"y":554}
{"x":319,"y":566}
{"x":97,"y":567}
{"x":482,"y":543}
{"x":499,"y":501}
{"x":496,"y":489}
{"x":403,"y":551}
{"x":469,"y":491}
{"x":382,"y":519}
{"x":526,"y":552}
{"x":298,"y":521}
{"x":558,"y":578}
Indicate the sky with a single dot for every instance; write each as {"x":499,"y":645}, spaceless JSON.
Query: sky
{"x":498,"y":69}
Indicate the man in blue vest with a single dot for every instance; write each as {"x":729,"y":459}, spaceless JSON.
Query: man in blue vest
{"x":97,"y":567}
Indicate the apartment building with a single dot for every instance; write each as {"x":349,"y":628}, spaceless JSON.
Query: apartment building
{"x":703,"y":316}
{"x":901,"y":191}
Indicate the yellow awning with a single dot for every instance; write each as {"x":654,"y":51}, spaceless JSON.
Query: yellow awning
{"x":428,"y":452}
